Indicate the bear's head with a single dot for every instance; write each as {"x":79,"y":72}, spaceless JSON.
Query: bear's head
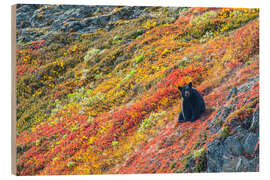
{"x":186,"y":91}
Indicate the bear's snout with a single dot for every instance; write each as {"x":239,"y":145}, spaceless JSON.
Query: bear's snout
{"x":187,"y":93}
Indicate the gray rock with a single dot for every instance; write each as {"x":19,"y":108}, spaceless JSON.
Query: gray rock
{"x":254,"y":79}
{"x":109,"y":27}
{"x":227,"y":110}
{"x":254,"y":165}
{"x":213,"y":125}
{"x":37,"y":75}
{"x":74,"y":26}
{"x":215,"y":152}
{"x":245,"y":87}
{"x":24,"y":13}
{"x":232,"y":93}
{"x":237,"y":153}
{"x":238,"y":164}
{"x":233,"y":145}
{"x":70,"y":18}
{"x":254,"y":127}
{"x":174,"y":9}
{"x":190,"y":166}
{"x":221,"y":115}
{"x":245,"y":165}
{"x":228,"y":156}
{"x":98,"y":21}
{"x":250,"y":143}
{"x":241,"y":134}
{"x":230,"y":163}
{"x":174,"y":12}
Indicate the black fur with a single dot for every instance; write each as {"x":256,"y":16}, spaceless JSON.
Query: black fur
{"x":192,"y":104}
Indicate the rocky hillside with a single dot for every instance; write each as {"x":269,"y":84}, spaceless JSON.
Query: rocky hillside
{"x":97,"y":89}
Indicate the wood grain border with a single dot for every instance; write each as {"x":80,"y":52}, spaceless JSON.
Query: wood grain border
{"x":13,"y":89}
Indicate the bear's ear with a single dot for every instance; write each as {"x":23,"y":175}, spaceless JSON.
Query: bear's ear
{"x":190,"y":84}
{"x":180,"y":88}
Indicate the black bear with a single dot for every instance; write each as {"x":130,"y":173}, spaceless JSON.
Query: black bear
{"x":192,"y":104}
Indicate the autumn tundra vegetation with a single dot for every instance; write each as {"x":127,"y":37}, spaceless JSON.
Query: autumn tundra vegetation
{"x":106,"y":101}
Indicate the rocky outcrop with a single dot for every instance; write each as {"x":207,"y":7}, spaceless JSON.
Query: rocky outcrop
{"x":238,"y":152}
{"x":68,"y":18}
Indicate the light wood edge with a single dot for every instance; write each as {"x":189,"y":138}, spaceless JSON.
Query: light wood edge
{"x":13,"y":90}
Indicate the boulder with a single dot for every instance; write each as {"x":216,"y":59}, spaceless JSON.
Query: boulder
{"x":254,"y":127}
{"x":233,"y":145}
{"x":214,"y":154}
{"x":250,"y":143}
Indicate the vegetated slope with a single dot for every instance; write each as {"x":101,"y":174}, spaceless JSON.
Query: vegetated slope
{"x":107,"y":101}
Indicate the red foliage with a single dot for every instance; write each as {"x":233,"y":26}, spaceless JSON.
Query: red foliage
{"x":37,"y":44}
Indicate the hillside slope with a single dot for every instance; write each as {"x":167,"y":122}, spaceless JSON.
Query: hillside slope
{"x":97,"y":89}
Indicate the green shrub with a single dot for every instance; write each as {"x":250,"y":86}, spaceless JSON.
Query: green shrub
{"x":248,"y":63}
{"x":204,"y":18}
{"x":139,"y":58}
{"x":115,"y":143}
{"x":185,"y":9}
{"x":224,"y":133}
{"x":173,"y":165}
{"x":97,"y":11}
{"x":86,"y":96}
{"x":138,"y":37}
{"x":58,"y":106}
{"x":196,"y":57}
{"x":165,"y":52}
{"x":129,"y":75}
{"x":74,"y":128}
{"x":202,"y":24}
{"x":76,"y":96}
{"x":201,"y":164}
{"x":99,"y":97}
{"x":70,"y":164}
{"x":90,"y":54}
{"x":210,"y":14}
{"x":135,"y":34}
{"x":147,"y":123}
{"x":117,"y":38}
{"x":198,"y":153}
